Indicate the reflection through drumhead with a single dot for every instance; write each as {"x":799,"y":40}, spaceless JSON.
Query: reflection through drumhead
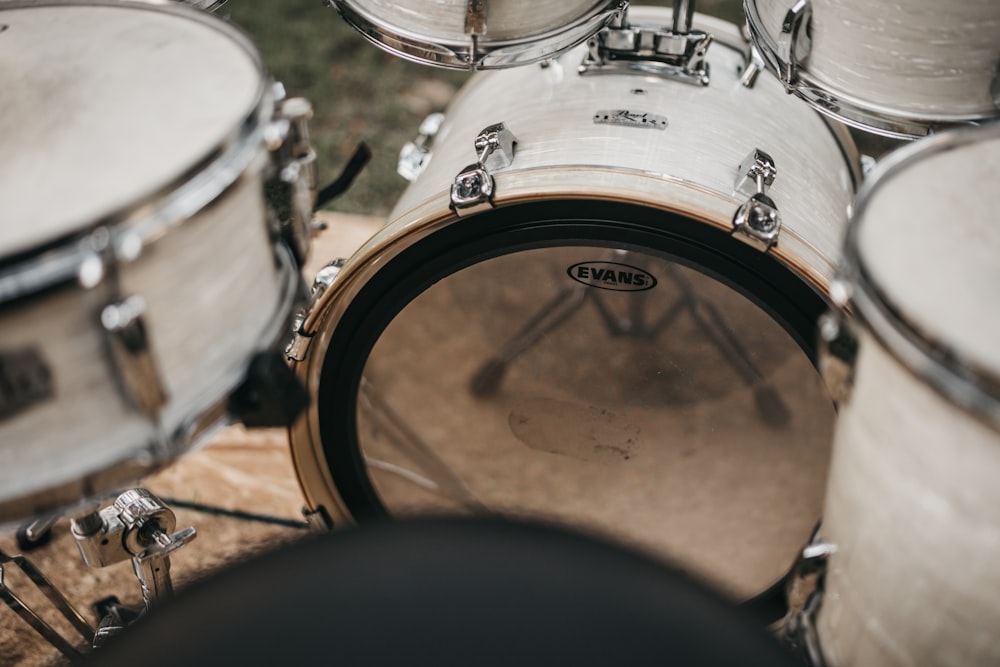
{"x":610,"y":389}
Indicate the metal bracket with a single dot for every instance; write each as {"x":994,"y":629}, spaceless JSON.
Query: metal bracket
{"x":127,"y":339}
{"x":298,"y":346}
{"x":677,"y":53}
{"x":294,"y":160}
{"x":757,"y":221}
{"x":415,"y":155}
{"x":794,"y":42}
{"x":473,"y":187}
{"x":838,"y":352}
{"x":804,"y":593}
{"x":132,"y":355}
{"x":138,"y":525}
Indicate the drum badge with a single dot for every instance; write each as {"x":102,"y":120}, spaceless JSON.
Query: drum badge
{"x":628,"y":118}
{"x":612,"y":276}
{"x":24,"y":380}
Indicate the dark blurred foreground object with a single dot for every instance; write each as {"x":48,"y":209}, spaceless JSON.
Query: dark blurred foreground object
{"x":448,"y":591}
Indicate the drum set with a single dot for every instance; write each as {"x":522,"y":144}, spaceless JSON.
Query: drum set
{"x":642,"y":285}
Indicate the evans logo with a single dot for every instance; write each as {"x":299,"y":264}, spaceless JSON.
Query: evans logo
{"x":612,"y":275}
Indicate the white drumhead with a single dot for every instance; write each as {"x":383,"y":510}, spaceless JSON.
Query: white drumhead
{"x":929,"y":239}
{"x":112,"y":104}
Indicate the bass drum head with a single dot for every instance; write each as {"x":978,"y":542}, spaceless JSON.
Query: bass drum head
{"x":610,"y":366}
{"x":448,"y":592}
{"x":504,"y":33}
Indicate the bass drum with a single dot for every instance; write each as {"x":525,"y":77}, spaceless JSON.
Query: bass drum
{"x":596,"y":347}
{"x":460,"y":34}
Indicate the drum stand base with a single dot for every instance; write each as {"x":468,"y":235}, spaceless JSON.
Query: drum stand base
{"x":137,"y":526}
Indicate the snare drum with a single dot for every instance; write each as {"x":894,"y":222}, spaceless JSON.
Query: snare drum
{"x":464,"y":34}
{"x":140,"y":272}
{"x":592,"y":342}
{"x":913,"y":506}
{"x":900,"y":71}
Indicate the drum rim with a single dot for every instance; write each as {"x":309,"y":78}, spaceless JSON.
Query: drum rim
{"x":80,"y":492}
{"x":951,"y":372}
{"x":483,"y":54}
{"x":838,"y":104}
{"x":791,"y":301}
{"x":58,"y":261}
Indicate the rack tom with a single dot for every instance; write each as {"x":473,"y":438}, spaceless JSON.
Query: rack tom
{"x":901,"y":71}
{"x":461,"y":34}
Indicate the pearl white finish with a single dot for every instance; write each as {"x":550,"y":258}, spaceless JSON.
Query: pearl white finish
{"x":690,"y":167}
{"x":930,"y":242}
{"x":213,"y":290}
{"x":912,"y":505}
{"x":918,"y":59}
{"x":506,"y":33}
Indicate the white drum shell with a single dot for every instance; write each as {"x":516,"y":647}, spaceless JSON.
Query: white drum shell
{"x":921,"y":59}
{"x":913,"y":508}
{"x":216,"y":287}
{"x":514,"y":32}
{"x":213,"y":291}
{"x":690,"y":167}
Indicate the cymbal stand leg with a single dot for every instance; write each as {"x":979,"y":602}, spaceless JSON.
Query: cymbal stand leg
{"x":406,"y":439}
{"x":30,"y":617}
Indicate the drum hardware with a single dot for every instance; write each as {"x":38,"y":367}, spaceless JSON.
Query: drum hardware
{"x":295,"y":162}
{"x":676,"y":53}
{"x":757,"y":221}
{"x":415,"y":155}
{"x":794,"y":43}
{"x":29,"y":616}
{"x":804,"y":592}
{"x":475,"y":19}
{"x":472,"y":190}
{"x":137,"y":526}
{"x":838,"y":349}
{"x":706,"y":315}
{"x":125,"y":332}
{"x":270,"y":395}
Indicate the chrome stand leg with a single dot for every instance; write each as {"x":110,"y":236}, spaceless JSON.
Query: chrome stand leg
{"x":29,"y":616}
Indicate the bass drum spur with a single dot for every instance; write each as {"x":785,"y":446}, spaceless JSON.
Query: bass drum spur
{"x":613,"y":337}
{"x":142,"y":271}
